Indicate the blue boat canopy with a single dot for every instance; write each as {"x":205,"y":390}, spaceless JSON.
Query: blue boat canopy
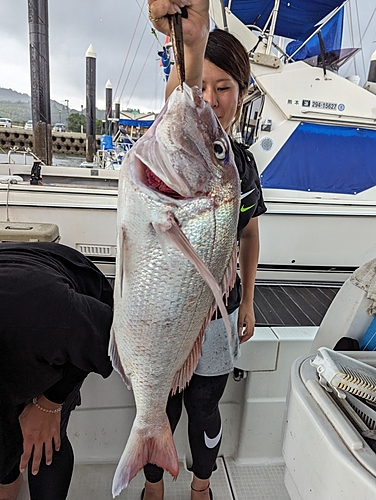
{"x":295,"y":17}
{"x":136,"y":123}
{"x":331,"y":34}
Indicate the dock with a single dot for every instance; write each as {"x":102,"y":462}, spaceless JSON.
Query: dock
{"x":69,"y":143}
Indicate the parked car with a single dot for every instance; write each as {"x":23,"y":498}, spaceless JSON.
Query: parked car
{"x":59,"y":127}
{"x":5,"y":122}
{"x":29,"y":125}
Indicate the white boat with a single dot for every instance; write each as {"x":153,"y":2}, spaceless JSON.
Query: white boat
{"x":315,"y":232}
{"x":313,"y":134}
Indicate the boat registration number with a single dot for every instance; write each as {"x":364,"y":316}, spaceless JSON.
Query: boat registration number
{"x":324,"y":105}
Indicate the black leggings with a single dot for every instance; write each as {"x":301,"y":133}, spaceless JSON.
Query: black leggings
{"x":201,"y":398}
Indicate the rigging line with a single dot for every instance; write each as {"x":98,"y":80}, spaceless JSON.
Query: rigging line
{"x":368,"y":25}
{"x":129,"y":49}
{"x":134,"y":58}
{"x":351,"y":32}
{"x":139,"y":76}
{"x":360,"y":35}
{"x":148,"y":20}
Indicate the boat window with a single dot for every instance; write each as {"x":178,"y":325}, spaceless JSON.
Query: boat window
{"x":334,"y":59}
{"x":250,"y":116}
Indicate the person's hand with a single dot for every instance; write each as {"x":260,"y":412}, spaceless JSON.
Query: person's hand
{"x":11,"y":491}
{"x":246,"y":317}
{"x":40,"y":430}
{"x":195,"y":27}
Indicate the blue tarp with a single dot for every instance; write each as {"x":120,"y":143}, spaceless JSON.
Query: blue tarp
{"x":136,"y":123}
{"x":331,"y":34}
{"x":295,"y":17}
{"x":326,"y":159}
{"x":166,"y":62}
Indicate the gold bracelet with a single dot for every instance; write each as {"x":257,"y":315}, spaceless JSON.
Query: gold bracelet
{"x":153,"y":19}
{"x":46,"y":410}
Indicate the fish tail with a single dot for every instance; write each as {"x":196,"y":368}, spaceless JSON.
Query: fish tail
{"x":140,"y":450}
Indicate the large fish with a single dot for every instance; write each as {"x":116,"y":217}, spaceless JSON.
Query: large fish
{"x":178,"y":208}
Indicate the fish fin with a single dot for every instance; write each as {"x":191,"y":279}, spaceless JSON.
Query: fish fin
{"x":121,"y":257}
{"x":170,"y":231}
{"x":115,"y":359}
{"x":184,"y":375}
{"x":230,"y":274}
{"x":141,"y":450}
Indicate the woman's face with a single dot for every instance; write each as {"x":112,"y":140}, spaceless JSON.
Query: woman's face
{"x":221,"y":91}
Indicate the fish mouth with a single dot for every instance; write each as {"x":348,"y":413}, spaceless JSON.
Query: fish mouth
{"x":146,"y":176}
{"x":155,"y":183}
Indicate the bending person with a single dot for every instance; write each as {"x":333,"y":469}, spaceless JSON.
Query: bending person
{"x":56,"y":313}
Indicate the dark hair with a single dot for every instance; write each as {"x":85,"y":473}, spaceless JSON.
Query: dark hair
{"x":226,"y":52}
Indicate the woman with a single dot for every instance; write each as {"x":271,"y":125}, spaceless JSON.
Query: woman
{"x":56,"y":313}
{"x":219,"y":64}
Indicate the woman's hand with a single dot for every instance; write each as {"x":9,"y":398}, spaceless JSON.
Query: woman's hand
{"x":40,"y":430}
{"x":11,"y":491}
{"x":195,"y":27}
{"x":195,"y":34}
{"x":246,"y":317}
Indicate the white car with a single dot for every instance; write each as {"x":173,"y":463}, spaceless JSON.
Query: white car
{"x":59,"y":127}
{"x":29,"y":125}
{"x":5,"y":122}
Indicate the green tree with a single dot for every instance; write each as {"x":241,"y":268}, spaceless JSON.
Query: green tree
{"x":75,"y":121}
{"x":98,"y":126}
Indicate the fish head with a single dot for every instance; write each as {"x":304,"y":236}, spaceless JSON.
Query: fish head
{"x":186,"y":149}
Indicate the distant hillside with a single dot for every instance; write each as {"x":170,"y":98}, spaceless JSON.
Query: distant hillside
{"x":17,"y":107}
{"x":13,"y":96}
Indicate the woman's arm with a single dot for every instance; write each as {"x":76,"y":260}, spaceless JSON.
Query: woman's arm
{"x":248,"y":259}
{"x":195,"y":35}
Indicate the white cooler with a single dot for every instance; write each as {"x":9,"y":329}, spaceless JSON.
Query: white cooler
{"x":326,"y":457}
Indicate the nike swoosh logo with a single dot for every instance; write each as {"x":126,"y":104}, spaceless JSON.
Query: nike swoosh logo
{"x":247,"y":193}
{"x":244,"y":209}
{"x":212,"y":442}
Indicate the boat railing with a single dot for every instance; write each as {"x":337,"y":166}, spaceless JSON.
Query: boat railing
{"x":25,"y":152}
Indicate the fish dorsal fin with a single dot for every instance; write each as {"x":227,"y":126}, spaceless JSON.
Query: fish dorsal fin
{"x":170,"y":231}
{"x":184,"y":375}
{"x":230,"y":274}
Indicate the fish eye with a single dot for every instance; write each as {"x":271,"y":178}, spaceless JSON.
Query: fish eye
{"x":219,"y":150}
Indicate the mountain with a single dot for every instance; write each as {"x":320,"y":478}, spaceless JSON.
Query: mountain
{"x":17,"y":107}
{"x":13,"y":96}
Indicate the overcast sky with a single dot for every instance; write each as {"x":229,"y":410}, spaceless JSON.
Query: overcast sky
{"x":120,"y":34}
{"x":126,"y":49}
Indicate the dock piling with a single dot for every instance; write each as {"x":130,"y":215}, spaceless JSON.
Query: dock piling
{"x":40,"y":80}
{"x":91,"y":58}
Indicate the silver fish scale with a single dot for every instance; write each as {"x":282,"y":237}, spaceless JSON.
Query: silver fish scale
{"x":165,"y":303}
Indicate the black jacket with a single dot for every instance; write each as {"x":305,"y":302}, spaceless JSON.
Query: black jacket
{"x":56,"y":315}
{"x":251,"y":206}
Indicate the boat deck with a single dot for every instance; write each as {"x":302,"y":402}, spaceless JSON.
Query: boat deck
{"x":292,"y":305}
{"x":229,"y":482}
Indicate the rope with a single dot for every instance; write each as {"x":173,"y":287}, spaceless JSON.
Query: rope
{"x":129,"y":48}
